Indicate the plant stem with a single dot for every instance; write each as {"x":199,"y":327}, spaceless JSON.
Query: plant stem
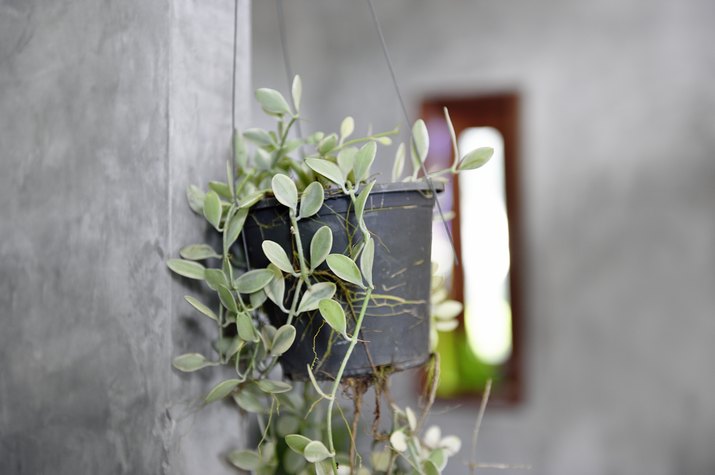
{"x":338,"y":377}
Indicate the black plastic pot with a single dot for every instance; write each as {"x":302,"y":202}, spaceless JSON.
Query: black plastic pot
{"x":395,"y":331}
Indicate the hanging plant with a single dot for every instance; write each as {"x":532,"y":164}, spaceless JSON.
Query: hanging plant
{"x":323,"y":279}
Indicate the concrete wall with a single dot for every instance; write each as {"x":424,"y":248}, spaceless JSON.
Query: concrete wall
{"x":619,"y":195}
{"x":107,"y":111}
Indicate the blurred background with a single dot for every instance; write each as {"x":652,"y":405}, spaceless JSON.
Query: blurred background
{"x":108,"y":111}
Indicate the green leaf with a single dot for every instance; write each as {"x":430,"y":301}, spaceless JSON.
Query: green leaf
{"x":346,"y":160}
{"x":272,"y":101}
{"x":245,"y":459}
{"x":297,"y":442}
{"x":285,"y":191}
{"x":361,"y":201}
{"x":363,"y":161}
{"x":320,"y":246}
{"x":215,"y":278}
{"x":316,"y":451}
{"x":366,"y":260}
{"x":190,"y":269}
{"x":438,"y":458}
{"x":221,"y":390}
{"x":312,"y":297}
{"x":447,"y":310}
{"x":197,"y":252}
{"x":221,"y":189}
{"x":327,"y":144}
{"x":345,"y":268}
{"x":297,"y":92}
{"x":275,"y":253}
{"x":241,"y":157}
{"x":327,"y":169}
{"x":312,"y":200}
{"x":334,"y":315}
{"x":191,"y":362}
{"x":244,"y":327}
{"x":251,"y":199}
{"x":476,"y":158}
{"x":227,"y":299}
{"x":212,"y":209}
{"x":258,"y":137}
{"x":420,"y":140}
{"x":275,"y":290}
{"x":430,"y":468}
{"x":347,"y":127}
{"x":196,"y":198}
{"x":250,"y":402}
{"x":253,"y":280}
{"x":398,"y":166}
{"x":235,"y":225}
{"x":257,"y":298}
{"x":273,"y":387}
{"x":201,"y":307}
{"x":398,"y":440}
{"x":283,"y":339}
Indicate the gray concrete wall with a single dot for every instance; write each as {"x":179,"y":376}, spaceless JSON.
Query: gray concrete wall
{"x":619,"y":194}
{"x":107,"y":111}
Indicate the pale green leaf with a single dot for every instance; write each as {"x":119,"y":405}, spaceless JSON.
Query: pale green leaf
{"x":196,"y":198}
{"x":251,"y":199}
{"x":222,"y":189}
{"x":398,"y":166}
{"x":245,"y":459}
{"x":320,"y":246}
{"x":273,"y":387}
{"x":361,"y":201}
{"x":275,"y":253}
{"x":327,"y":169}
{"x":312,"y":200}
{"x":381,"y":460}
{"x":201,"y":307}
{"x":347,"y":127}
{"x":258,"y":298}
{"x":297,"y":442}
{"x":253,"y":280}
{"x":345,"y":268}
{"x":250,"y":402}
{"x":438,"y":458}
{"x":346,"y":160}
{"x":312,"y":297}
{"x":316,"y":451}
{"x":366,"y":260}
{"x":227,"y":299}
{"x":285,"y":191}
{"x":327,"y":144}
{"x":398,"y":440}
{"x":215,"y":278}
{"x":244,"y":327}
{"x":411,"y":419}
{"x":430,"y":468}
{"x":334,"y":315}
{"x":420,"y":139}
{"x":197,"y":252}
{"x":190,"y":269}
{"x":283,"y":339}
{"x":476,"y":158}
{"x":234,"y":228}
{"x":275,"y":290}
{"x":258,"y":137}
{"x":191,"y":362}
{"x":241,"y":157}
{"x":363,"y":161}
{"x":446,"y":325}
{"x":212,"y":209}
{"x":221,"y":390}
{"x":272,"y":101}
{"x":447,"y":310}
{"x":297,"y":92}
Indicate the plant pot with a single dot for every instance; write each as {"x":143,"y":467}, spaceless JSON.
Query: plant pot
{"x":395,"y":331}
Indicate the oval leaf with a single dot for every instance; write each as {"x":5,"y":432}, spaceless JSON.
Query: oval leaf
{"x":327,"y":169}
{"x":283,"y":339}
{"x":201,"y":307}
{"x":476,"y":158}
{"x":245,"y":459}
{"x":297,"y":442}
{"x":366,"y":260}
{"x":334,"y":315}
{"x":312,"y":200}
{"x":347,"y":127}
{"x":275,"y":290}
{"x":215,"y":278}
{"x":253,"y":280}
{"x":249,"y":402}
{"x":197,"y":252}
{"x":227,"y":299}
{"x":273,"y":387}
{"x":346,"y":160}
{"x":398,"y":440}
{"x":285,"y":191}
{"x":272,"y":101}
{"x":235,"y":225}
{"x":320,"y":246}
{"x":221,"y":390}
{"x":297,"y":92}
{"x":399,"y":165}
{"x":275,"y":253}
{"x":363,"y":161}
{"x":196,"y":198}
{"x":244,"y":327}
{"x":312,"y":297}
{"x":420,"y":139}
{"x":316,"y":451}
{"x":191,"y":362}
{"x":345,"y":268}
{"x":190,"y":269}
{"x":212,"y":209}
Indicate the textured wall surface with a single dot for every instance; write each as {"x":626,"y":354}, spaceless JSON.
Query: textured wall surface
{"x":618,"y":140}
{"x":107,"y":111}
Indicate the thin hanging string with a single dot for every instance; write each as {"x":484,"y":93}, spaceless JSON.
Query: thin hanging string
{"x":286,"y":58}
{"x":406,"y":116}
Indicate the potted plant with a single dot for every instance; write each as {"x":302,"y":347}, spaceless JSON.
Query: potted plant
{"x":323,"y":279}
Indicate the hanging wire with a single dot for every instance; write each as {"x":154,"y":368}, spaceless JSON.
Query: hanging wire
{"x":406,"y":116}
